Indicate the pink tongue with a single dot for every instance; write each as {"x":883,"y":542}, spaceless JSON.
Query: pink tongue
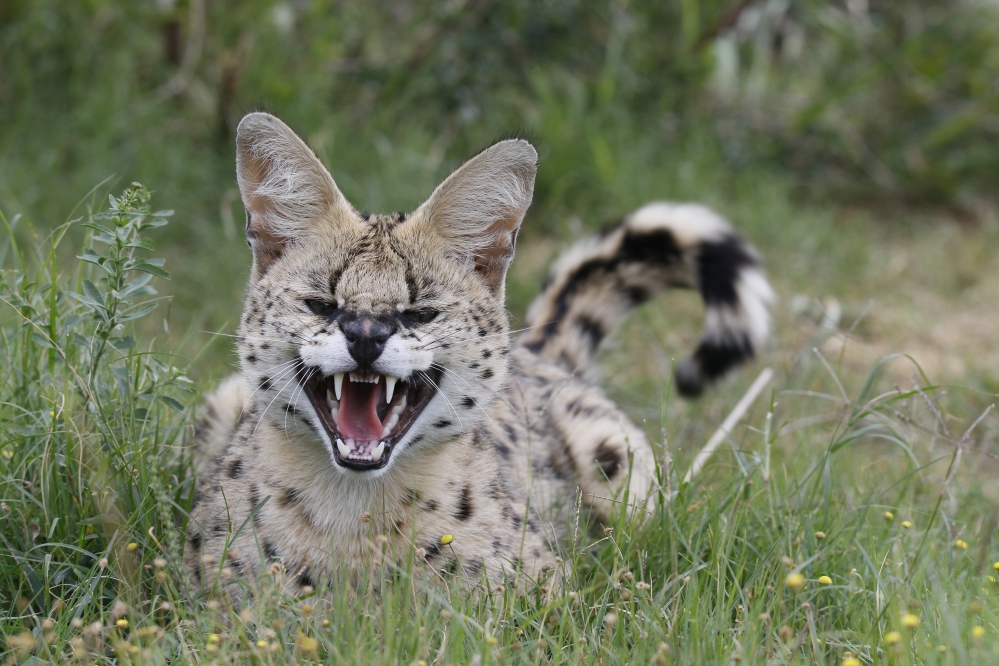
{"x":358,"y":420}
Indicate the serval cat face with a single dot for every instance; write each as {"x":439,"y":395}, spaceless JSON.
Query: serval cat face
{"x":377,"y":335}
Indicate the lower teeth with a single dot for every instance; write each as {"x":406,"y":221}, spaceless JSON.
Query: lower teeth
{"x":347,"y":451}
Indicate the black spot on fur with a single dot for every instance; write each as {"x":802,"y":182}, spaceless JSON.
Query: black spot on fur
{"x":482,"y":333}
{"x":290,"y":496}
{"x":237,"y":566}
{"x":433,"y":550}
{"x":718,"y":266}
{"x":502,"y":449}
{"x":512,"y":516}
{"x":511,"y":432}
{"x":430,"y":506}
{"x":496,"y":490}
{"x":487,"y":373}
{"x":365,"y":215}
{"x":411,"y":497}
{"x":400,"y":217}
{"x":497,"y":545}
{"x":235,"y":468}
{"x":467,"y":402}
{"x":291,"y":409}
{"x":305,"y":578}
{"x":654,"y":247}
{"x":251,"y":359}
{"x":712,"y":359}
{"x":607,"y":458}
{"x":487,"y":353}
{"x":473,"y":568}
{"x":464,"y":511}
{"x":254,"y":501}
{"x":451,"y":568}
{"x":195,"y":539}
{"x":532,"y":525}
{"x":443,"y":423}
{"x":265,"y":384}
{"x":591,"y":329}
{"x":474,"y":365}
{"x":271,"y":551}
{"x":217,"y":528}
{"x":416,"y":439}
{"x":265,"y":346}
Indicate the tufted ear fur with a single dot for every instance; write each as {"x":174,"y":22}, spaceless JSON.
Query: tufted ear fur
{"x":286,"y":190}
{"x":478,"y":209}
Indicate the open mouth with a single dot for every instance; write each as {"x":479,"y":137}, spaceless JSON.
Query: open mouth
{"x":365,"y":414}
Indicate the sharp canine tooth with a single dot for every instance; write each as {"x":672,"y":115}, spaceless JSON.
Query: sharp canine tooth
{"x":376,"y":453}
{"x":390,"y":387}
{"x":344,"y":451}
{"x":338,"y":384}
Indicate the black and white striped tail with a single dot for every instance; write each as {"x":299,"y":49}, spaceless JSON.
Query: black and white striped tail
{"x":597,"y":282}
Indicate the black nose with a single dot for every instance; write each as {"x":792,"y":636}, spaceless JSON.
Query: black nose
{"x":366,"y":339}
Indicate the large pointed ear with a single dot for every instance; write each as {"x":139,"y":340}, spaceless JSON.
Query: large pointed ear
{"x":479,"y":208}
{"x":286,"y":189}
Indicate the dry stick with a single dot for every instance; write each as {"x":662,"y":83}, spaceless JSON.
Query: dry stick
{"x":729,"y":423}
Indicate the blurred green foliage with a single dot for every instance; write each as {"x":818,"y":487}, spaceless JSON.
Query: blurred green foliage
{"x":858,"y":101}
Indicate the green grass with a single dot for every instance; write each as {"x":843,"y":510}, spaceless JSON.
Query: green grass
{"x":93,"y":460}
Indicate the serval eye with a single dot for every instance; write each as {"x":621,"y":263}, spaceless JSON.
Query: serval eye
{"x":321,"y":308}
{"x":421,"y":316}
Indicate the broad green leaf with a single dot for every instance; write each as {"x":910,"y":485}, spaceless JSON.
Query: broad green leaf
{"x":147,"y":267}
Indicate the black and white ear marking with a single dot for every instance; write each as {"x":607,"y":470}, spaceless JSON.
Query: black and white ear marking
{"x":478,"y":208}
{"x":285,"y":188}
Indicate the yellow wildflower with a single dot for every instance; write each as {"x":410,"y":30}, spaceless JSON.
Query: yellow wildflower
{"x":825,"y":580}
{"x":122,"y":623}
{"x":889,"y":515}
{"x":906,"y":524}
{"x":446,"y":539}
{"x":978,"y":631}
{"x":910,"y":621}
{"x":131,"y":547}
{"x":307,"y":643}
{"x":962,"y":544}
{"x":796,"y":580}
{"x":851,"y":661}
{"x":892,"y":637}
{"x":213,"y":638}
{"x":261,"y":644}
